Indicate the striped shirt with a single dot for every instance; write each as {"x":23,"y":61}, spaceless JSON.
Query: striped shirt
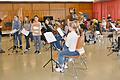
{"x":36,"y":29}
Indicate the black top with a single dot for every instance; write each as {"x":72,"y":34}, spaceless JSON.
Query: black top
{"x":0,"y":28}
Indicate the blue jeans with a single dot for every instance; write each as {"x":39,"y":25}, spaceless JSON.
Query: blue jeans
{"x":57,"y":44}
{"x":65,"y":52}
{"x":37,"y":40}
{"x":27,"y":41}
{"x":17,"y":37}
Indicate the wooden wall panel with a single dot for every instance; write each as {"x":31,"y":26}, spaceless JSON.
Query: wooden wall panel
{"x":72,"y":5}
{"x":57,"y":6}
{"x":5,"y":7}
{"x":58,"y":10}
{"x":41,"y":14}
{"x":24,"y":6}
{"x":58,"y":14}
{"x":41,"y":6}
{"x":85,"y":6}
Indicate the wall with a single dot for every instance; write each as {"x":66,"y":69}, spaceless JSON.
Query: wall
{"x":58,"y":10}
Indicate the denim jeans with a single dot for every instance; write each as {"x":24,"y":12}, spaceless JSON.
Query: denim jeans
{"x":17,"y":37}
{"x":27,"y":41}
{"x":65,"y":52}
{"x":57,"y":44}
{"x":37,"y":40}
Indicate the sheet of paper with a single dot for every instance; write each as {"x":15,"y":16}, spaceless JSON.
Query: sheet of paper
{"x":113,"y":26}
{"x":50,"y":37}
{"x":25,"y":32}
{"x":60,"y":31}
{"x":13,"y":31}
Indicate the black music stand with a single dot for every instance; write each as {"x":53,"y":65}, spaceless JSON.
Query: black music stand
{"x":49,"y":35}
{"x":12,"y":47}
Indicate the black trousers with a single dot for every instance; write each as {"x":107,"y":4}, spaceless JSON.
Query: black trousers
{"x":119,"y":43}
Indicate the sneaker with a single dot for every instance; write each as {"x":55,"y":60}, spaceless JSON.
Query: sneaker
{"x":59,"y":70}
{"x":35,"y":52}
{"x":38,"y":52}
{"x":2,"y":51}
{"x":26,"y":50}
{"x":66,"y":66}
{"x":21,"y":47}
{"x":15,"y":47}
{"x":70,"y":60}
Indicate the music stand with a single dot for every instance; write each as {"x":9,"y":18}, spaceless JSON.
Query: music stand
{"x":50,"y":39}
{"x":12,"y":47}
{"x":112,"y":42}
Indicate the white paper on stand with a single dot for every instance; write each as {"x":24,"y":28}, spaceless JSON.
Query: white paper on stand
{"x":25,"y":32}
{"x":60,"y":32}
{"x":50,"y":37}
{"x":113,"y":26}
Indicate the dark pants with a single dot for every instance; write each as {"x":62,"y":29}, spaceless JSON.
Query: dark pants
{"x":31,"y":36}
{"x":27,"y":41}
{"x":119,"y":43}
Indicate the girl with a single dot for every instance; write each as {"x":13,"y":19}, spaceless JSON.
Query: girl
{"x":36,"y":30}
{"x":17,"y":35}
{"x":27,"y":27}
{"x":70,"y":46}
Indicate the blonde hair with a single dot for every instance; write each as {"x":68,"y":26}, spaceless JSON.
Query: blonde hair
{"x":73,"y":25}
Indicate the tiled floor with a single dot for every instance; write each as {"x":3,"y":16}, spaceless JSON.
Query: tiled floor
{"x":29,"y":66}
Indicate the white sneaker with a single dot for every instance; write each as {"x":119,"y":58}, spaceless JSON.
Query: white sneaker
{"x":70,"y":60}
{"x":66,"y":66}
{"x":26,"y":50}
{"x":59,"y":70}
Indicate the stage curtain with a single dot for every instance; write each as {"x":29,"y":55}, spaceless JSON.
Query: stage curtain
{"x":102,"y":9}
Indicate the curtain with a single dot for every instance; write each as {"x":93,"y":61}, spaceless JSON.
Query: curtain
{"x":102,"y":9}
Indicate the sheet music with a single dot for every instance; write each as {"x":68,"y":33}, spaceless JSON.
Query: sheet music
{"x":113,"y":26}
{"x":13,"y":31}
{"x":60,"y":31}
{"x":25,"y":32}
{"x":50,"y":37}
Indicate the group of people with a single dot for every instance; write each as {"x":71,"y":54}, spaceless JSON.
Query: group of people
{"x":75,"y":34}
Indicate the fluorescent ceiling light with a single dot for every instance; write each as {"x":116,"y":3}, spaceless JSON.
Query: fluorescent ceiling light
{"x":51,"y":0}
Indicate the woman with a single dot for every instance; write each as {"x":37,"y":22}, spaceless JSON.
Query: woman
{"x":27,"y":27}
{"x":70,"y":47}
{"x":17,"y":35}
{"x":36,"y":30}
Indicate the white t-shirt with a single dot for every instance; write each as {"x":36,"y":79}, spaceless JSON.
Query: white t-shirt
{"x":104,"y":24}
{"x":71,"y":41}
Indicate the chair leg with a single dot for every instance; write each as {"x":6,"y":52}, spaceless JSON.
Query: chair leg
{"x":75,"y":72}
{"x":83,"y":62}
